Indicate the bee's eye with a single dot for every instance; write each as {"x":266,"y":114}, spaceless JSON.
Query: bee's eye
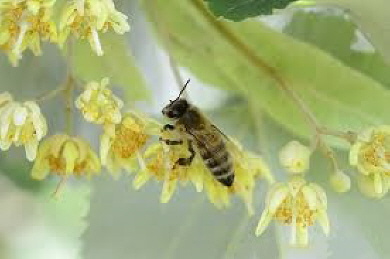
{"x":172,"y":114}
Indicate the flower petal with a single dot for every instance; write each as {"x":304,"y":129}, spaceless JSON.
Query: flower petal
{"x":323,"y":220}
{"x":321,"y":195}
{"x":31,"y":149}
{"x":140,"y":179}
{"x":20,"y":115}
{"x":38,"y":120}
{"x":264,"y":221}
{"x":6,"y":119}
{"x":169,"y":188}
{"x":310,"y":197}
{"x":277,"y":198}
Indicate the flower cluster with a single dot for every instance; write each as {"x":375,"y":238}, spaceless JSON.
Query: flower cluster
{"x":160,"y":163}
{"x":21,"y":124}
{"x":24,"y":24}
{"x":136,"y":144}
{"x":84,"y":19}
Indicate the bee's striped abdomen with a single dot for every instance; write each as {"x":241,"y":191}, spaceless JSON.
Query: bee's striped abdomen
{"x":219,"y":162}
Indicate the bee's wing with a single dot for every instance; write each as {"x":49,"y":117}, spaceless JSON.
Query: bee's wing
{"x":231,"y":144}
{"x":220,"y":131}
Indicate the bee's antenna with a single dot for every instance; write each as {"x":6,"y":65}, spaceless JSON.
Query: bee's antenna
{"x":182,"y":90}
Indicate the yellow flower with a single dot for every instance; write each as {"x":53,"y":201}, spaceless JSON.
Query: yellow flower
{"x":371,"y":156}
{"x":23,"y":24}
{"x":295,"y":157}
{"x":64,"y":156}
{"x":85,"y":18}
{"x":98,"y":104}
{"x":160,"y":163}
{"x":297,"y":204}
{"x":121,"y":148}
{"x":21,"y":124}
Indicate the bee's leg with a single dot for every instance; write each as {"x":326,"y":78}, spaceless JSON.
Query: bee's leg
{"x":184,"y":161}
{"x":171,"y":142}
{"x":168,"y":127}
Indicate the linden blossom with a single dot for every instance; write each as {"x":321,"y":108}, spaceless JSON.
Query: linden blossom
{"x":98,"y":104}
{"x":370,"y":154}
{"x":23,"y":24}
{"x":121,"y":147}
{"x":21,"y":124}
{"x":64,"y":156}
{"x":296,"y":204}
{"x":85,"y":18}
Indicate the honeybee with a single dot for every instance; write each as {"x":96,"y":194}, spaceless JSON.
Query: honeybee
{"x":198,"y":130}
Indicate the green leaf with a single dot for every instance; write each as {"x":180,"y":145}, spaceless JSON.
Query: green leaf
{"x":238,"y":10}
{"x":257,"y":62}
{"x":67,"y":213}
{"x":117,"y":63}
{"x":335,"y":34}
{"x":372,"y":18}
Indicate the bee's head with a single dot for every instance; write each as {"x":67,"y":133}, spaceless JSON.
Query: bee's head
{"x":176,"y":109}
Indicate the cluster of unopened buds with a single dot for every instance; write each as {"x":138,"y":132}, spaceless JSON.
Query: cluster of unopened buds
{"x":24,"y":24}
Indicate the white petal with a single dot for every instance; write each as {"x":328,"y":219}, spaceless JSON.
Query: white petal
{"x":5,"y":119}
{"x":321,"y":195}
{"x":323,"y":220}
{"x":354,"y":153}
{"x":310,"y":196}
{"x":169,"y":188}
{"x":140,"y":179}
{"x":31,"y":149}
{"x":276,"y":194}
{"x":378,"y":186}
{"x":38,"y":120}
{"x":20,"y":115}
{"x":277,"y":198}
{"x":264,"y":221}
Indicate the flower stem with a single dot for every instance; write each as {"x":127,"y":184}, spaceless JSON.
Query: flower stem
{"x":68,"y":96}
{"x":50,"y":94}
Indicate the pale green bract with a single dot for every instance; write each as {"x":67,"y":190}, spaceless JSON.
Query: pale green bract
{"x":237,"y":56}
{"x":117,"y":63}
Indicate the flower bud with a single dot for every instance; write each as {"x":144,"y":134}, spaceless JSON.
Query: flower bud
{"x":295,"y":157}
{"x":340,"y":182}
